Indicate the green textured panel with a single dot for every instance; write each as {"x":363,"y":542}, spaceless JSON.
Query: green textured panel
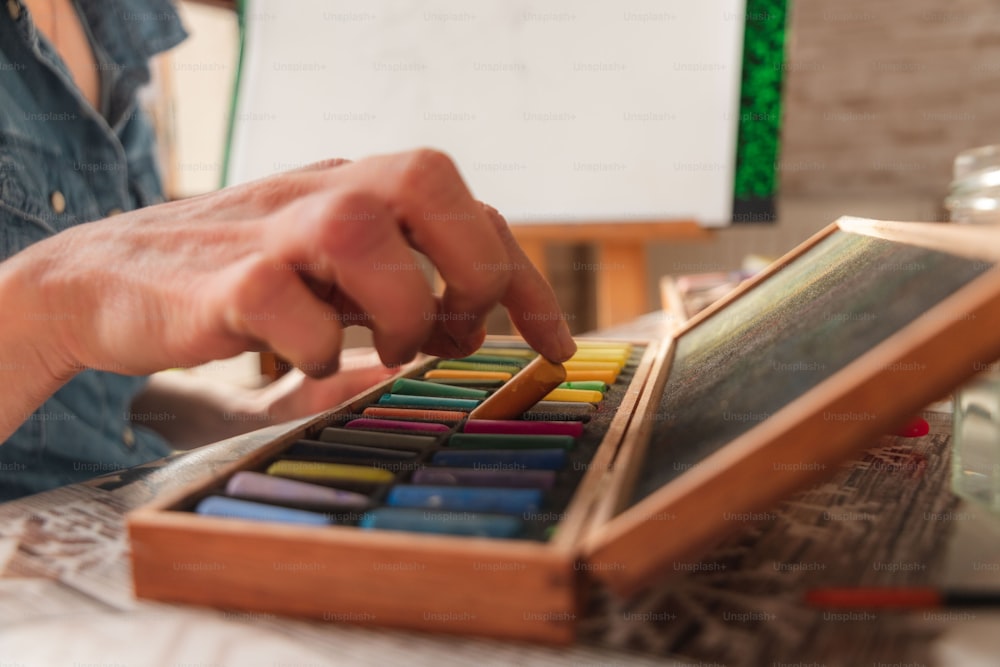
{"x":756,"y":178}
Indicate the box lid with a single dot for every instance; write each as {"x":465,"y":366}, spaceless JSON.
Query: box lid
{"x":844,"y":339}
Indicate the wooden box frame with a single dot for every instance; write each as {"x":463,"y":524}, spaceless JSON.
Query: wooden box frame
{"x":534,"y":591}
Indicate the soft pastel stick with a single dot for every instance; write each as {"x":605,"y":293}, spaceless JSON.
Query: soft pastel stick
{"x":445,"y":523}
{"x":533,"y":479}
{"x":445,"y":416}
{"x":587,"y":343}
{"x":318,"y":450}
{"x":502,"y":459}
{"x":571,"y":428}
{"x":522,"y":391}
{"x":412,"y":387}
{"x":347,"y":436}
{"x":255,"y":486}
{"x":433,"y":402}
{"x":462,"y":382}
{"x":589,"y":385}
{"x":450,"y":374}
{"x":466,"y":499}
{"x":232,"y":508}
{"x":397,"y":425}
{"x":574,"y":396}
{"x":581,"y":411}
{"x":330,"y":472}
{"x":509,"y":441}
{"x":607,"y":377}
{"x":501,"y":348}
{"x":449,"y":364}
{"x":483,"y":358}
{"x":592,"y":366}
{"x":594,"y":355}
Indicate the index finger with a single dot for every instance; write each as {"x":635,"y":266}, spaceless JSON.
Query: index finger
{"x":530,"y":301}
{"x":440,"y":218}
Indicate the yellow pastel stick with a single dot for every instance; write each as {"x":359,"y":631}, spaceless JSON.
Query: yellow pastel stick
{"x":330,"y":472}
{"x":574,"y":396}
{"x":582,"y":343}
{"x":586,"y":356}
{"x":607,"y":377}
{"x":451,"y":374}
{"x":601,"y":353}
{"x":592,"y":366}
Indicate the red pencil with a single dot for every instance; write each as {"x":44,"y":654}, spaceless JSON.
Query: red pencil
{"x":886,"y":597}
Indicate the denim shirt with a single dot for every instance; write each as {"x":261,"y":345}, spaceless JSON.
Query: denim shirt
{"x":61,"y":164}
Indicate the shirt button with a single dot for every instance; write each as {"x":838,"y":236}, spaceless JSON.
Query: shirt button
{"x":128,"y":437}
{"x":113,"y":212}
{"x":58,"y":201}
{"x":14,"y":9}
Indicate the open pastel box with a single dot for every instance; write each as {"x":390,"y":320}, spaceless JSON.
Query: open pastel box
{"x":845,"y":338}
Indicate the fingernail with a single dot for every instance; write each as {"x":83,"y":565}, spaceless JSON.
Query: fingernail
{"x":567,"y":346}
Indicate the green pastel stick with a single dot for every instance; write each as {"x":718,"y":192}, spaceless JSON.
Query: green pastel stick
{"x":411,"y":387}
{"x":508,"y":441}
{"x":588,"y":385}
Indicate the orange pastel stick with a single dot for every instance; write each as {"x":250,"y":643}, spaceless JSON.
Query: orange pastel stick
{"x":525,"y":389}
{"x":607,"y":377}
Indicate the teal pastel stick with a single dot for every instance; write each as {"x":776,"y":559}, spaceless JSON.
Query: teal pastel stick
{"x":438,"y":402}
{"x":231,"y":508}
{"x":468,"y":499}
{"x":442,"y":522}
{"x":509,"y":441}
{"x":411,"y":387}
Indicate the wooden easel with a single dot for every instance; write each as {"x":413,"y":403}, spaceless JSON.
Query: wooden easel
{"x":620,"y":265}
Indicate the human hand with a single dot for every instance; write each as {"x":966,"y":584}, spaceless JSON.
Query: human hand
{"x":282,"y":264}
{"x":295,"y":395}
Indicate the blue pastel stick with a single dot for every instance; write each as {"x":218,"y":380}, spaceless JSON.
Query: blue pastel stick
{"x":502,"y":459}
{"x":494,"y":500}
{"x":231,"y":508}
{"x":527,"y":479}
{"x":445,"y":523}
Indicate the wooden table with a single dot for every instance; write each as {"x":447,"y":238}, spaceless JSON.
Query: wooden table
{"x":886,"y":518}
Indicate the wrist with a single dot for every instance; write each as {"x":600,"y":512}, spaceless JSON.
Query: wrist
{"x":33,"y":360}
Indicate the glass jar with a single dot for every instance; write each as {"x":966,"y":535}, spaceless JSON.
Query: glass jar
{"x":975,"y":198}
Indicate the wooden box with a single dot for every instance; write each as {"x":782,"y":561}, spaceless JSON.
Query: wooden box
{"x":844,"y":339}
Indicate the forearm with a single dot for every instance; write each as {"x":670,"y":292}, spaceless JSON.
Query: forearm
{"x":32,"y":367}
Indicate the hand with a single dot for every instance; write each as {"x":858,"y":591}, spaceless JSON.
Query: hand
{"x":282,"y":264}
{"x":295,"y":395}
{"x":200,"y":411}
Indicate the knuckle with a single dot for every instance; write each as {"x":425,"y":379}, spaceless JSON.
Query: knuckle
{"x":351,"y":225}
{"x":425,"y":167}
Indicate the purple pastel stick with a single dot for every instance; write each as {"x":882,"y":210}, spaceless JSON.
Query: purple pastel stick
{"x":532,"y":479}
{"x":257,"y":486}
{"x":514,"y":427}
{"x":396,"y":425}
